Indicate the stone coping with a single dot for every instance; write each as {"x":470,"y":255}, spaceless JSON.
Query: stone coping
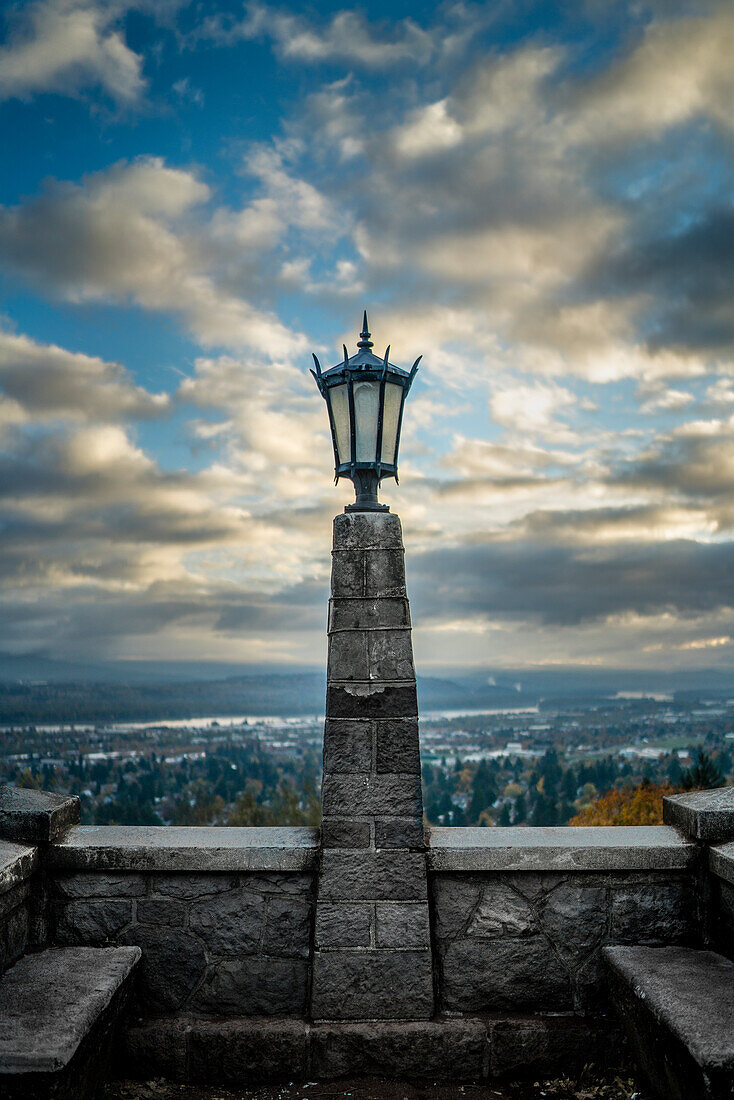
{"x":721,"y":861}
{"x":707,"y":816}
{"x":17,"y":863}
{"x":598,"y":848}
{"x":185,"y":848}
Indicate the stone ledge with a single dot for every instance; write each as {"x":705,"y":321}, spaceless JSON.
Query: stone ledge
{"x":17,"y":863}
{"x":721,"y":861}
{"x":703,"y":815}
{"x":50,"y":1001}
{"x":36,"y":817}
{"x":601,"y":848}
{"x":164,"y":848}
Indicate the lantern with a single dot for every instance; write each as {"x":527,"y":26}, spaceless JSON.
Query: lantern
{"x":365,"y":397}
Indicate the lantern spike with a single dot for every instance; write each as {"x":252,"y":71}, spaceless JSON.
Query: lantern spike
{"x":318,"y":365}
{"x":364,"y":340}
{"x":346,"y":355}
{"x":387,"y":352}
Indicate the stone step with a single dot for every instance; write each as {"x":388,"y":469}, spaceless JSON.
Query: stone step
{"x":677,"y":1006}
{"x":58,"y":1009}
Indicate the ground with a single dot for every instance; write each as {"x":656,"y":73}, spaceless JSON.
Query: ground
{"x":589,"y":1085}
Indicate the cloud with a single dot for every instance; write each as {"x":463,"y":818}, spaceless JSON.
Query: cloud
{"x":44,"y":382}
{"x":680,"y":70}
{"x":66,"y":46}
{"x":126,"y":235}
{"x":347,"y":37}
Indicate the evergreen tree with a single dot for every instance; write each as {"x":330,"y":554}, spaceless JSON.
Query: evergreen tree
{"x":703,"y":775}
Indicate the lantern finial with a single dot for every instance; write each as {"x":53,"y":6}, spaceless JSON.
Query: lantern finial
{"x":365,"y":342}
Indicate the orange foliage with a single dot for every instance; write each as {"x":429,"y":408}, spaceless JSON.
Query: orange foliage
{"x":641,"y":805}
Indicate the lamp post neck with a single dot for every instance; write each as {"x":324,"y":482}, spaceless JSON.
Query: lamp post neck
{"x":365,"y":487}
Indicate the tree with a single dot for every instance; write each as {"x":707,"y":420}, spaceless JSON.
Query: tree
{"x":703,"y":775}
{"x":641,"y":805}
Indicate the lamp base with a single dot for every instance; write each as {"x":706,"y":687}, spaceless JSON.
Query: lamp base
{"x":367,"y":506}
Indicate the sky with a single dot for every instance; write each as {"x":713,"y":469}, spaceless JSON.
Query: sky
{"x":536,"y":197}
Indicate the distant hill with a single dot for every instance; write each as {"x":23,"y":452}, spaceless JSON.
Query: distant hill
{"x":37,"y":690}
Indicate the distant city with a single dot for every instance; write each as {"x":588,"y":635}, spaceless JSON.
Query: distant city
{"x":546,"y":760}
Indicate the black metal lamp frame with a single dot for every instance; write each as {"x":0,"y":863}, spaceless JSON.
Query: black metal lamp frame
{"x":366,"y":476}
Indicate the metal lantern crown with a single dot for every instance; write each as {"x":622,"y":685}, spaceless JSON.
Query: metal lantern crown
{"x":365,"y":397}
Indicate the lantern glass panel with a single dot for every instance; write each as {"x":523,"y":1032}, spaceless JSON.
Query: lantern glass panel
{"x":390,"y":420}
{"x":366,"y":415}
{"x":340,"y":412}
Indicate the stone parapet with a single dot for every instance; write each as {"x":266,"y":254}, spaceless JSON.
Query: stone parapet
{"x":564,"y":848}
{"x":176,"y":848}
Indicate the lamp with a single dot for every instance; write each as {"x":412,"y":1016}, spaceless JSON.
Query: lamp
{"x":365,"y":397}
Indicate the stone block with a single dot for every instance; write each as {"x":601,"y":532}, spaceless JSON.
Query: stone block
{"x":402,"y":924}
{"x":173,"y":964}
{"x":348,"y":656}
{"x":347,"y":745}
{"x":343,"y":925}
{"x":367,"y":613}
{"x":240,"y":1052}
{"x":347,"y":573}
{"x":372,"y":876}
{"x":19,"y":895}
{"x":92,"y":885}
{"x":654,"y":914}
{"x":532,"y":1044}
{"x":288,"y":928}
{"x":371,"y":700}
{"x":229,"y":924}
{"x":372,"y":985}
{"x":37,"y":817}
{"x":358,"y":795}
{"x":677,"y":1007}
{"x":160,"y":911}
{"x":256,"y":985}
{"x":15,"y":934}
{"x":337,"y":833}
{"x":454,"y":899}
{"x":407,"y":832}
{"x":447,"y":1050}
{"x":94,"y":922}
{"x":502,"y":912}
{"x":367,"y":530}
{"x":270,"y":885}
{"x":575,"y":918}
{"x":190,"y":886}
{"x":389,"y":655}
{"x":153,"y":1048}
{"x":397,"y":746}
{"x":58,"y":1010}
{"x":384,"y":573}
{"x":706,"y":816}
{"x":522,"y":974}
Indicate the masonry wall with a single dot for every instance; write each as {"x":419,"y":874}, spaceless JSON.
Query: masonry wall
{"x":524,"y":942}
{"x":17,"y":866}
{"x":721,"y":898}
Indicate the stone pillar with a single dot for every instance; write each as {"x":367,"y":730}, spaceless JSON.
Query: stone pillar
{"x":372,"y":957}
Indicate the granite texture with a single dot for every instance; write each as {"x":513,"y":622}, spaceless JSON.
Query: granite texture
{"x":17,"y":865}
{"x":531,"y":941}
{"x":219,"y":943}
{"x":36,"y":817}
{"x":706,"y":816}
{"x":598,"y":848}
{"x":677,"y":1006}
{"x":372,"y":949}
{"x":175,"y":848}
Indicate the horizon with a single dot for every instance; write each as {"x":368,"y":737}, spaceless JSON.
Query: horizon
{"x":537,"y":201}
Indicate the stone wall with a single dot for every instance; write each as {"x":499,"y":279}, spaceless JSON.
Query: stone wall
{"x":17,"y":865}
{"x":213,"y":944}
{"x":520,"y":915}
{"x":224,"y":916}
